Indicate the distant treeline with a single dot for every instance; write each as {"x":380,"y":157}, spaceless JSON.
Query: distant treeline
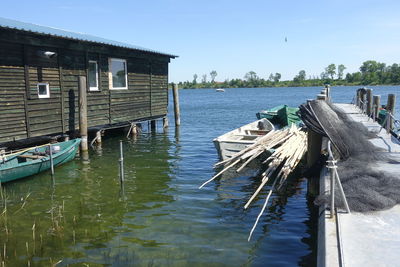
{"x":371,"y":73}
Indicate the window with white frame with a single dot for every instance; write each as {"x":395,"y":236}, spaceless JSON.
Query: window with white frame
{"x":93,"y":76}
{"x":43,"y":90}
{"x":118,"y":73}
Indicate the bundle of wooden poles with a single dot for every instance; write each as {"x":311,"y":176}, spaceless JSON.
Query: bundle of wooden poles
{"x":285,"y":149}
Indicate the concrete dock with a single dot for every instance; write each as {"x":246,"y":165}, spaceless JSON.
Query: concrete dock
{"x":361,"y":239}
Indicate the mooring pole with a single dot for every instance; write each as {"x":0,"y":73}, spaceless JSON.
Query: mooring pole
{"x":121,"y":163}
{"x":377,"y":105}
{"x":369,"y":102}
{"x":391,"y":103}
{"x":165,"y":122}
{"x":51,"y":160}
{"x":358,"y":98}
{"x":328,"y":92}
{"x":98,"y":138}
{"x":176,"y":104}
{"x":83,"y":126}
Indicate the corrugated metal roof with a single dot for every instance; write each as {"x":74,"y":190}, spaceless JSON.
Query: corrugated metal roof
{"x":30,"y":27}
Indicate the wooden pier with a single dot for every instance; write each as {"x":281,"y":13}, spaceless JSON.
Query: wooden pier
{"x":361,"y":239}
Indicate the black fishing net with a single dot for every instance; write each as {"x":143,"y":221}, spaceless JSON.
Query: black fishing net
{"x":366,"y":188}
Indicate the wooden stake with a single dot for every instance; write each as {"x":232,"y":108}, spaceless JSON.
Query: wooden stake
{"x":176,"y":104}
{"x":83,"y":123}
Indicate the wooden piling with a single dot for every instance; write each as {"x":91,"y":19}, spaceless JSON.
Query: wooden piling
{"x":369,"y":102}
{"x":376,"y":106}
{"x":83,"y":125}
{"x":358,"y":95}
{"x":98,"y":138}
{"x":51,"y":160}
{"x":314,"y":144}
{"x":165,"y":122}
{"x":391,"y":103}
{"x":328,"y":92}
{"x":176,"y":104}
{"x":121,"y":163}
{"x":134,"y":131}
{"x":321,"y":97}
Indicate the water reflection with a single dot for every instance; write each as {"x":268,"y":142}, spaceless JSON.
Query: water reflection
{"x":84,"y":210}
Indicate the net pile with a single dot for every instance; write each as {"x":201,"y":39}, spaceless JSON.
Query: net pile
{"x":366,"y":188}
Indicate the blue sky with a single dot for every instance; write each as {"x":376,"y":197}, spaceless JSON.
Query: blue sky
{"x":234,"y":37}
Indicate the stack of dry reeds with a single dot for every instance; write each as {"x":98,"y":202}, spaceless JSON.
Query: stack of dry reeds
{"x":290,"y":146}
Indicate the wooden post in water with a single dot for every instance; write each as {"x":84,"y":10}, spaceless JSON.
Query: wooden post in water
{"x":98,"y":137}
{"x":369,"y":102}
{"x":328,"y":92}
{"x":314,"y":144}
{"x":165,"y":122}
{"x":121,"y":163}
{"x":176,"y":104}
{"x":51,"y":160}
{"x":376,"y":106}
{"x":83,"y":125}
{"x":391,"y":103}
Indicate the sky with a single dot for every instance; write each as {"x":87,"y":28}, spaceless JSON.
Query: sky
{"x":233,"y":37}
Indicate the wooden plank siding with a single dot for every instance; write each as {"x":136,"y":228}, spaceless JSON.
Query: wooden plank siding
{"x":23,"y":114}
{"x":159,"y":89}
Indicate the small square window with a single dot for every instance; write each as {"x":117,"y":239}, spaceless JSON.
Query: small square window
{"x":43,"y":90}
{"x":93,"y":74}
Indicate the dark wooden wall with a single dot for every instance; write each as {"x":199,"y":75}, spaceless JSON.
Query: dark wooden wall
{"x":23,"y":114}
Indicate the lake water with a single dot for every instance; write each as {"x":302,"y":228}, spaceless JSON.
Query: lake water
{"x":161,"y":218}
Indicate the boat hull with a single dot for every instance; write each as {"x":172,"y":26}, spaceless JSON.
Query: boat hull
{"x":282,"y":115}
{"x":236,"y":140}
{"x":14,"y":171}
{"x":226,"y":149}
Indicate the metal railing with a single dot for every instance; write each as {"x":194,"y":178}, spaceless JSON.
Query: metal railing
{"x":387,"y":123}
{"x":334,"y":178}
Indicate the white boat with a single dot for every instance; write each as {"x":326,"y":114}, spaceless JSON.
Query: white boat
{"x":220,"y":90}
{"x":236,"y":140}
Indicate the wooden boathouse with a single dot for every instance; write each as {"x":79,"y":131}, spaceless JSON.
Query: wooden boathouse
{"x":39,"y":76}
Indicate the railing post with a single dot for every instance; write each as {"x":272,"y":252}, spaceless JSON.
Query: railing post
{"x":369,"y":102}
{"x":377,"y":105}
{"x":391,"y":103}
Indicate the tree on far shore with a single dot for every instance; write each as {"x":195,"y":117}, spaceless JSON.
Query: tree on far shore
{"x":213,"y":74}
{"x":331,"y":70}
{"x":340,"y":71}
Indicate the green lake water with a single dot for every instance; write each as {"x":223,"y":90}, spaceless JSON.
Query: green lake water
{"x":160,"y":217}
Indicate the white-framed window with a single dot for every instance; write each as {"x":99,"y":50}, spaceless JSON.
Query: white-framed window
{"x":93,"y":76}
{"x":43,"y":90}
{"x":118,"y":73}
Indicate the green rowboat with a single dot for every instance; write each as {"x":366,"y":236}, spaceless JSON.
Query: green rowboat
{"x":281,"y":115}
{"x":35,"y":160}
